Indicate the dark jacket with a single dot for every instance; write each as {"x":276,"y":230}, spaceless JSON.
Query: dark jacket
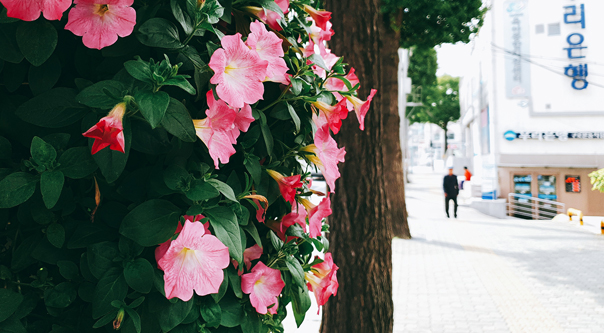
{"x":450,"y":185}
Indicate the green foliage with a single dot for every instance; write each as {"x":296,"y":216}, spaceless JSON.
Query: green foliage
{"x":597,"y":180}
{"x":80,"y":230}
{"x":428,"y":23}
{"x":422,"y":67}
{"x":441,"y":103}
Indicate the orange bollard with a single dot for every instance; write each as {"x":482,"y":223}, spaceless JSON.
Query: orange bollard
{"x":572,"y":211}
{"x":602,"y":227}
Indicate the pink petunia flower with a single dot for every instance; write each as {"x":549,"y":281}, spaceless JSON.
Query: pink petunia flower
{"x":361,"y":107}
{"x":321,"y":17}
{"x":330,"y":115}
{"x":194,"y":262}
{"x":326,"y":156}
{"x":251,"y":253}
{"x":268,"y":16}
{"x":297,"y":216}
{"x":268,"y":47}
{"x":287,"y":185}
{"x":163,"y":247}
{"x":238,"y":72}
{"x":333,"y":84}
{"x":322,"y":280}
{"x":316,"y":214}
{"x":264,"y":285}
{"x":220,"y":129}
{"x":99,"y":22}
{"x":109,"y":131}
{"x":30,"y":10}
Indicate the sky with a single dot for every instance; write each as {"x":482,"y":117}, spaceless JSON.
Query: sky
{"x":453,"y":59}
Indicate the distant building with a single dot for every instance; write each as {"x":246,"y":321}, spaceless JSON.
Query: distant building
{"x":532,"y":107}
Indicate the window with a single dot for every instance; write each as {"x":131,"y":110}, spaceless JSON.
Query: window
{"x":451,"y":136}
{"x":539,"y":29}
{"x":553,"y":29}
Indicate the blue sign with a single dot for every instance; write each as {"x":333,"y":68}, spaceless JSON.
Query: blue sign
{"x":510,"y":135}
{"x":578,"y":72}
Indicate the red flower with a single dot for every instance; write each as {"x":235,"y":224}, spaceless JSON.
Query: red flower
{"x":321,"y":17}
{"x":287,"y":185}
{"x":109,"y":131}
{"x":322,"y":280}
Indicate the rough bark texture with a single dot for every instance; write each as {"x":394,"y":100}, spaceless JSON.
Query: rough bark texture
{"x":369,"y":200}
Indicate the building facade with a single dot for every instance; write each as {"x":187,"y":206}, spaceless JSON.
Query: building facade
{"x":533,"y":103}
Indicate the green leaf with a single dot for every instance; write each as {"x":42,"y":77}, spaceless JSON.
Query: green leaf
{"x":317,"y":60}
{"x":6,"y":149}
{"x":106,"y":319}
{"x":294,"y":116}
{"x":113,"y":162}
{"x":191,"y":53}
{"x":251,"y":229}
{"x":37,"y":41}
{"x":300,"y":304}
{"x":61,"y":296}
{"x":9,"y":302}
{"x":42,"y":152}
{"x":159,"y":32}
{"x":16,"y":188}
{"x":213,"y":11}
{"x":13,"y":75}
{"x":100,"y":257}
{"x":232,"y":312}
{"x":252,"y":164}
{"x":225,"y":189}
{"x":68,"y":269}
{"x":139,"y":69}
{"x":223,"y":288}
{"x":135,"y":317}
{"x":177,"y":178}
{"x":10,"y":50}
{"x":177,"y":121}
{"x":211,"y":313}
{"x":171,"y":314}
{"x":251,"y":322}
{"x":102,"y":95}
{"x":296,"y":270}
{"x":182,"y":18}
{"x":234,"y":281}
{"x":201,"y":190}
{"x":112,"y":286}
{"x":266,"y":133}
{"x":77,"y":163}
{"x":53,"y":109}
{"x":153,"y":106}
{"x":44,"y":77}
{"x":139,"y":275}
{"x":51,"y":185}
{"x":13,"y":325}
{"x":275,"y":241}
{"x":226,"y":227}
{"x":151,"y":223}
{"x":182,"y":83}
{"x":56,"y":235}
{"x":270,"y":5}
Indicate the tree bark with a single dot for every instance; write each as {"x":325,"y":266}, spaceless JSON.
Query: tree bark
{"x":369,"y":204}
{"x":446,"y":140}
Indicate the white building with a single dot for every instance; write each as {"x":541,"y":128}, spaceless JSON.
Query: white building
{"x":532,"y":107}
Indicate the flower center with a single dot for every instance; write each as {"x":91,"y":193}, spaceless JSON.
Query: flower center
{"x":101,"y":9}
{"x":228,"y":69}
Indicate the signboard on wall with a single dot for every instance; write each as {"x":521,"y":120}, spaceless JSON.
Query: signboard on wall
{"x":516,"y":40}
{"x":572,"y":184}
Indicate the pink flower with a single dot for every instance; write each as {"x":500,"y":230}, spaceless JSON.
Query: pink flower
{"x":264,"y":284}
{"x":322,"y":280}
{"x":30,"y":10}
{"x":318,"y":35}
{"x":220,"y":129}
{"x":251,"y":253}
{"x":327,"y":155}
{"x":321,"y":17}
{"x":268,"y":47}
{"x":287,"y":185}
{"x":99,"y":22}
{"x":330,"y":115}
{"x":238,"y":72}
{"x":316,"y":214}
{"x":268,"y":16}
{"x":109,"y":131}
{"x":161,"y":250}
{"x":297,"y":216}
{"x":361,"y":107}
{"x":334,"y":84}
{"x":194,"y":261}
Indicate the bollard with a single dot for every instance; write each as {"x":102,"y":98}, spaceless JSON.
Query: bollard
{"x":572,"y":211}
{"x":602,"y":227}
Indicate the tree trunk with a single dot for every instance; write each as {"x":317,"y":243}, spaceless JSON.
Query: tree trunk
{"x":369,"y":204}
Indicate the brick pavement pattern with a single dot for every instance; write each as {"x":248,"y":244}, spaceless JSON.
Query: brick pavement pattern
{"x":482,"y":274}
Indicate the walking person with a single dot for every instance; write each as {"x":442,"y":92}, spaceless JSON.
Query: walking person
{"x":451,"y":188}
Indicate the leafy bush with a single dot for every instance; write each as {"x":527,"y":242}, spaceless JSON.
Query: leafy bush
{"x":114,"y":213}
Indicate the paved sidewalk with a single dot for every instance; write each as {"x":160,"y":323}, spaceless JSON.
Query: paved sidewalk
{"x":482,"y":274}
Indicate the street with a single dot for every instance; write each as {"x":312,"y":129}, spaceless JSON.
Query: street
{"x":482,"y":274}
